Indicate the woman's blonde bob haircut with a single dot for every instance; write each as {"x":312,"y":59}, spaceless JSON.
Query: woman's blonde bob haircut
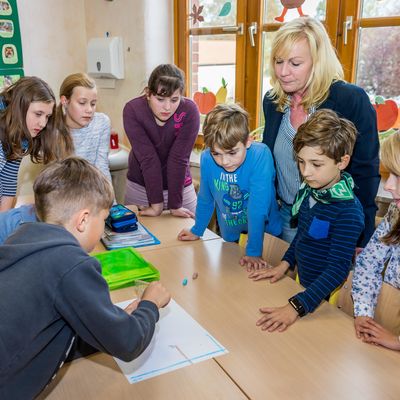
{"x":326,"y":66}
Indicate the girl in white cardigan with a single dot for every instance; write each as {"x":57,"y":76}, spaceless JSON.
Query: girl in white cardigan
{"x":90,"y":130}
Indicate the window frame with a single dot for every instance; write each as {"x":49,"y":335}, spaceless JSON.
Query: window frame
{"x":248,"y":87}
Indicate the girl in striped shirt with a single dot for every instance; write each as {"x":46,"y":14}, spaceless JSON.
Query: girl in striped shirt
{"x":26,"y":128}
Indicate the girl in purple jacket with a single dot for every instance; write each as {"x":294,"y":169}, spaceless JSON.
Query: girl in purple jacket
{"x":162,"y":127}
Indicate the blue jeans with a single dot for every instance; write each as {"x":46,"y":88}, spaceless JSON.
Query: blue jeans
{"x":288,"y":233}
{"x":11,"y":219}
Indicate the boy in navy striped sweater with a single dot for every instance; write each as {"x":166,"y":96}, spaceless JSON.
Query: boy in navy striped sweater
{"x":330,"y":219}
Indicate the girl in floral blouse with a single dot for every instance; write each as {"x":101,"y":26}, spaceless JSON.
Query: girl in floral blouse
{"x":380,"y":260}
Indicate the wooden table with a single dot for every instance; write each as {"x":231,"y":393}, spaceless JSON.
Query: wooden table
{"x":319,"y":357}
{"x":165,"y":228}
{"x":98,"y":377}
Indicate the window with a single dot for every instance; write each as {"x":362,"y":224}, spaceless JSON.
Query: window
{"x":371,"y":56}
{"x":223,"y":46}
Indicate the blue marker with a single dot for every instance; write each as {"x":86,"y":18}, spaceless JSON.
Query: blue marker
{"x":184,"y":282}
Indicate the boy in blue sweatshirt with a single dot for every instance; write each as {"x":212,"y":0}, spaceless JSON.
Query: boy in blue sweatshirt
{"x":52,"y":291}
{"x":237,"y":179}
{"x":330,"y":219}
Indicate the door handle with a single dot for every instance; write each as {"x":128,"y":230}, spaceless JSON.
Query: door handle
{"x":253,"y":28}
{"x":235,"y":28}
{"x":347,"y":26}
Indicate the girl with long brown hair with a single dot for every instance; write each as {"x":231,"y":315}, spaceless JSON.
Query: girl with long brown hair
{"x":27,"y":128}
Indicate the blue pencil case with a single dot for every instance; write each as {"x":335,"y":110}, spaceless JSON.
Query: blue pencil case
{"x":121,"y":219}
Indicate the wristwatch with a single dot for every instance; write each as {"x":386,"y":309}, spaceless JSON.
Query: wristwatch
{"x":295,"y":303}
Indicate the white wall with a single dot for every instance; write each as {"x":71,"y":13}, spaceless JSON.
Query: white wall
{"x":54,"y":36}
{"x":158,"y":33}
{"x":146,"y":27}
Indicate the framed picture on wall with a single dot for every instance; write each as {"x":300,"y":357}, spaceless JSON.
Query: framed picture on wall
{"x":9,"y":76}
{"x":10,"y":36}
{"x":5,"y":7}
{"x":6,"y":28}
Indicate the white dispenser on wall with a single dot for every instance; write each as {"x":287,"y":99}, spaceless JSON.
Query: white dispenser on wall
{"x":105,"y":58}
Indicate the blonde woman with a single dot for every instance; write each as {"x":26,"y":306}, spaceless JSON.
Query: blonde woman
{"x":306,"y":75}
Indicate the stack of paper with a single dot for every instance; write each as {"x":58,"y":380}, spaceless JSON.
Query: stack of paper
{"x":178,"y":341}
{"x":140,"y":237}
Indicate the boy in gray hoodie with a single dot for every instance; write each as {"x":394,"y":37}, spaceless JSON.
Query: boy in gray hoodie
{"x":52,"y":291}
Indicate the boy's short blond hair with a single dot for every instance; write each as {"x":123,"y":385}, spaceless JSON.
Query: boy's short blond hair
{"x":225,"y":126}
{"x":325,"y":129}
{"x":67,"y":186}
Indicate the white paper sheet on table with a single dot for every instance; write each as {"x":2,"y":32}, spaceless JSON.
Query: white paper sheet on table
{"x":179,"y":341}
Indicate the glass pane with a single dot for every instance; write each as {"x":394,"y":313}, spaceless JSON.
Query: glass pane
{"x":266,"y":51}
{"x":208,"y":13}
{"x":378,"y":70}
{"x":213,"y":68}
{"x":266,"y":76}
{"x":380,"y":8}
{"x":286,"y":10}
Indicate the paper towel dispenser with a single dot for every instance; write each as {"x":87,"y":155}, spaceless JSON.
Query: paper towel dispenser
{"x":105,"y":58}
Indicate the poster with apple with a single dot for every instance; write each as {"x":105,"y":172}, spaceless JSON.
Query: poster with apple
{"x":205,"y":100}
{"x":387,"y":114}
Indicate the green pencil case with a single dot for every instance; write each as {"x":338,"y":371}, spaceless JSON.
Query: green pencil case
{"x":121,"y":267}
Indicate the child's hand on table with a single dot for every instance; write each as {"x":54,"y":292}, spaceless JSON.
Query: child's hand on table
{"x":274,"y":274}
{"x":182,"y":212}
{"x":157,"y":294}
{"x":185,"y":234}
{"x":154,"y":210}
{"x":252,"y":263}
{"x":277,"y":318}
{"x":375,"y":333}
{"x":358,"y":323}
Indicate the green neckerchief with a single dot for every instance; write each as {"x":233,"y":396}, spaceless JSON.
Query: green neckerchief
{"x":341,"y":191}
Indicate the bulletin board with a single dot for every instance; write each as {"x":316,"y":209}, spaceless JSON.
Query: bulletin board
{"x":11,"y":62}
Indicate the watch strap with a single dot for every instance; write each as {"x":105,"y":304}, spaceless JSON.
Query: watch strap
{"x":296,"y":304}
